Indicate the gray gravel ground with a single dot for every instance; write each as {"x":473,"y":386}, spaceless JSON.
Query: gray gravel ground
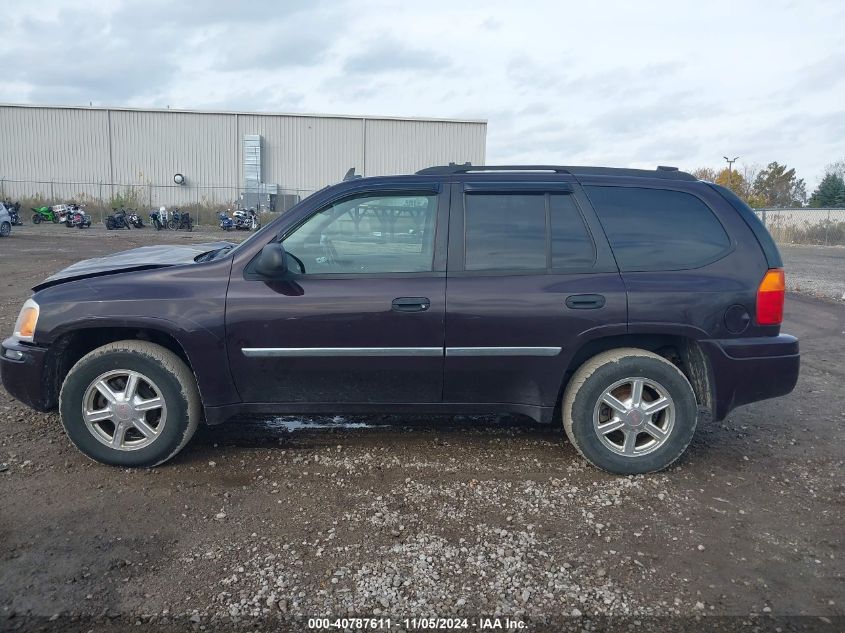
{"x":474,"y":517}
{"x":815,"y":270}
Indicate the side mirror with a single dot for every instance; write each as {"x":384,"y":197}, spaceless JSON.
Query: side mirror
{"x":272,"y":262}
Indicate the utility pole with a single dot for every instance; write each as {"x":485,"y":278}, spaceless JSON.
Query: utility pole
{"x":731,"y":162}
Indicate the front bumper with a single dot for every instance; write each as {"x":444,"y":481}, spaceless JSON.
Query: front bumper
{"x":23,"y":371}
{"x":746,"y":370}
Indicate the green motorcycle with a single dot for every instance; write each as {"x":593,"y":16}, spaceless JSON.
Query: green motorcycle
{"x":44,"y":214}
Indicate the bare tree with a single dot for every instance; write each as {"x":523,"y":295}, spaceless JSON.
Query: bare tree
{"x":704,"y":173}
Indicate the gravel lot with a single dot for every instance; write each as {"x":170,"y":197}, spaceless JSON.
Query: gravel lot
{"x":260,"y":521}
{"x":815,"y":270}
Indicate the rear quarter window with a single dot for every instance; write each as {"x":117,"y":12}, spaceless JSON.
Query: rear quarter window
{"x":658,"y":229}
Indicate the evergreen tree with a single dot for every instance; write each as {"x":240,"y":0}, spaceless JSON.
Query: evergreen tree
{"x":830,"y":192}
{"x":780,"y":187}
{"x":840,"y":199}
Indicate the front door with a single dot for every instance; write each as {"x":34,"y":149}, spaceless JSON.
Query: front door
{"x":361,"y":317}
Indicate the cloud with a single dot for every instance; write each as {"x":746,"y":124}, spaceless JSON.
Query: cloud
{"x":389,"y":55}
{"x":276,"y":46}
{"x":614,"y":82}
{"x":70,"y":60}
{"x":642,"y":119}
{"x":820,"y":76}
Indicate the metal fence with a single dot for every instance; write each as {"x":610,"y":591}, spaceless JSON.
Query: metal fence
{"x":203,"y":202}
{"x":805,"y":225}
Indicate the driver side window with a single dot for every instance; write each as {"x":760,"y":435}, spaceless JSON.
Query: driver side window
{"x":368,"y":234}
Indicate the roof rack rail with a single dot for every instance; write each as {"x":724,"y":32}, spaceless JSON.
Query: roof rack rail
{"x":465,"y":168}
{"x":664,"y":172}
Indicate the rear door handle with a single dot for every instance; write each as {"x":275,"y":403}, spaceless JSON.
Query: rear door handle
{"x":411,"y":304}
{"x":585,"y":302}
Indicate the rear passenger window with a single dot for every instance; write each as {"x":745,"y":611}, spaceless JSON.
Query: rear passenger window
{"x":511,"y":232}
{"x":505,"y":232}
{"x":658,"y":229}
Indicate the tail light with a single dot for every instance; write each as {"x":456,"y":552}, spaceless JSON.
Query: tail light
{"x":770,"y":296}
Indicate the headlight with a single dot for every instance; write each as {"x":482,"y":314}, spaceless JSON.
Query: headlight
{"x":27,"y":320}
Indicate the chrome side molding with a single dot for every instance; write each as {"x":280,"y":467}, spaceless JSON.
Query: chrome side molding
{"x":324,"y":352}
{"x":502,"y":351}
{"x":318,"y":352}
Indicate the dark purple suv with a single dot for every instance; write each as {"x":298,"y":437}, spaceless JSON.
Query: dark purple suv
{"x":620,"y":302}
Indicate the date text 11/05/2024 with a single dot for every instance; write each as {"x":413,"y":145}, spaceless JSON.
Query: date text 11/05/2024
{"x":480,"y":624}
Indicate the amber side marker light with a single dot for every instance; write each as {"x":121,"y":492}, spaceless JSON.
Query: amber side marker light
{"x":27,"y":320}
{"x":770,"y":297}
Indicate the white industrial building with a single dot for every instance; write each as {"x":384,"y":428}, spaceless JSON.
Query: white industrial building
{"x":96,"y":153}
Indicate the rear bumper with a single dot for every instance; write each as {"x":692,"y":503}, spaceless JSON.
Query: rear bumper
{"x":23,"y":373}
{"x":750,"y":369}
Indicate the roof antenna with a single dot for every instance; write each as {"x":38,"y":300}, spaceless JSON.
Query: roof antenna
{"x":351,"y":175}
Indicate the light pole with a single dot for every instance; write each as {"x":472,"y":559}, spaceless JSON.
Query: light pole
{"x":731,"y":162}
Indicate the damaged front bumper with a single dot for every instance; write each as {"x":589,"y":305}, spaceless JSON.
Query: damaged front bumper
{"x":23,"y":373}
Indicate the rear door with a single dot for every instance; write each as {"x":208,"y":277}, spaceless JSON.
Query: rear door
{"x":364,"y":323}
{"x":530,"y":275}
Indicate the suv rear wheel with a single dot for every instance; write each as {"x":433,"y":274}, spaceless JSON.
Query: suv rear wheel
{"x":629,"y":411}
{"x":130,"y":403}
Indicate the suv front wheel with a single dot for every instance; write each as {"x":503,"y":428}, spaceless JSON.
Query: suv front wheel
{"x":629,"y":411}
{"x":130,"y":403}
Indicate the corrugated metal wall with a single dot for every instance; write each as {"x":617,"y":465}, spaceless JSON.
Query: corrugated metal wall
{"x":401,"y":147}
{"x":41,"y":147}
{"x":52,"y":145}
{"x":306,"y":152}
{"x":153,"y":146}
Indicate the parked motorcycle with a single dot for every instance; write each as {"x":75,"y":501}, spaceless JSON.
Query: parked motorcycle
{"x":134,"y":219}
{"x":158,"y":219}
{"x":78,"y":218}
{"x":179,"y":220}
{"x":226,"y":223}
{"x":246,"y":220}
{"x":117,"y":220}
{"x":61,"y":211}
{"x":43,"y":214}
{"x":14,"y":213}
{"x":68,"y":214}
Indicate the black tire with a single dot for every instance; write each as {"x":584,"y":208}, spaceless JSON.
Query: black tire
{"x":110,"y":225}
{"x":175,"y":384}
{"x":55,"y":219}
{"x":36,"y":218}
{"x":5,"y":229}
{"x":582,"y":399}
{"x":173,"y":225}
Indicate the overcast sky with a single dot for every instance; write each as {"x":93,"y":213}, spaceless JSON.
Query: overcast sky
{"x":636,"y":83}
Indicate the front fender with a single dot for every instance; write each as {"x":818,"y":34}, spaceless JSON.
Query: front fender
{"x":185,"y":303}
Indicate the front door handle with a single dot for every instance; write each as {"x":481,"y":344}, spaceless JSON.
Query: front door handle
{"x":585,"y":302}
{"x":411,"y":304}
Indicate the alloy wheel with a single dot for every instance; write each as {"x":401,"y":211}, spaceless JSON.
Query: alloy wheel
{"x":124,"y":410}
{"x":634,"y":416}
